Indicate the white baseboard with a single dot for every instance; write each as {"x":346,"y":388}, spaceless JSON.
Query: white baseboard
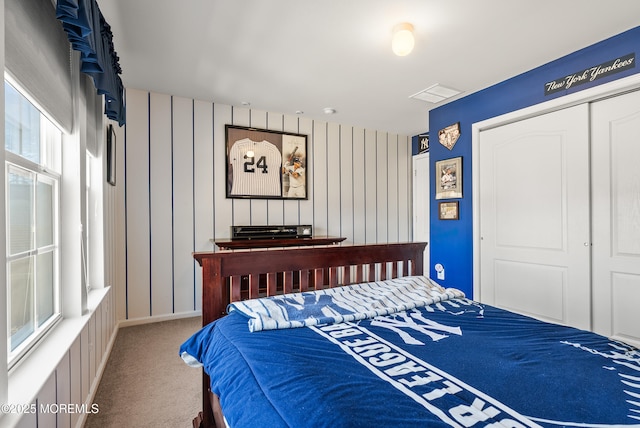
{"x":158,"y":318}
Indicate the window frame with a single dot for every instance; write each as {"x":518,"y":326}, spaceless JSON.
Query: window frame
{"x":45,"y":172}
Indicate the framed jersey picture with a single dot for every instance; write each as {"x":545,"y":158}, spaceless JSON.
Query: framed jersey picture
{"x":265,"y":164}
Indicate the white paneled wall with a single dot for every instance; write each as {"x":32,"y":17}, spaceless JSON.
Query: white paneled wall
{"x":359,"y":183}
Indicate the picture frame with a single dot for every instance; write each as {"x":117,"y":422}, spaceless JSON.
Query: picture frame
{"x":111,"y":155}
{"x":449,"y":178}
{"x":265,"y":164}
{"x":448,"y":210}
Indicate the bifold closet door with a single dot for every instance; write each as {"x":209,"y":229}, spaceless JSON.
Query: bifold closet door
{"x":534,"y":217}
{"x":616,"y":216}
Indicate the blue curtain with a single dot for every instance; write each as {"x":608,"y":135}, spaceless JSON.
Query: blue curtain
{"x":90,"y":34}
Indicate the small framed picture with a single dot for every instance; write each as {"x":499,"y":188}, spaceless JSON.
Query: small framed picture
{"x":448,"y":210}
{"x":449,"y":178}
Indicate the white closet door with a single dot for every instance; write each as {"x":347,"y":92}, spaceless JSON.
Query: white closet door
{"x":616,"y":217}
{"x":534,"y":217}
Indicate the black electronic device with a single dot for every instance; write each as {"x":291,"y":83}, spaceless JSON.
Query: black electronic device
{"x":271,"y":232}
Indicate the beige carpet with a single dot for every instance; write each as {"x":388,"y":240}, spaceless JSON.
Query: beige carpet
{"x":145,"y":382}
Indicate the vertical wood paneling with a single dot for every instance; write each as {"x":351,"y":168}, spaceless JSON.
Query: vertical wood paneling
{"x":319,"y":176}
{"x":183,"y":227}
{"x":75,"y":377}
{"x":63,"y":390}
{"x":98,"y":340}
{"x":405,"y":189}
{"x":98,"y":315}
{"x":138,"y":280}
{"x":203,"y":169}
{"x":357,"y":179}
{"x":223,"y":207}
{"x":91,"y":349}
{"x":392,"y":188}
{"x":333,"y":174}
{"x":160,"y":207}
{"x":346,"y":183}
{"x":288,"y":123}
{"x":371,"y":186}
{"x":359,"y":187}
{"x":105,"y":328}
{"x":46,"y":396}
{"x":85,"y":380}
{"x":112,"y":321}
{"x":382,"y":196}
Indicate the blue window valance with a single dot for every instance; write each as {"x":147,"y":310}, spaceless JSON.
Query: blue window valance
{"x":90,"y":34}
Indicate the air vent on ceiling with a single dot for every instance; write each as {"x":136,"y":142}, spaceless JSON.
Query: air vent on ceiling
{"x":435,"y":93}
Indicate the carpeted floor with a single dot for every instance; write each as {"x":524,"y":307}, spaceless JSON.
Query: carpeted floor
{"x":146,"y":383}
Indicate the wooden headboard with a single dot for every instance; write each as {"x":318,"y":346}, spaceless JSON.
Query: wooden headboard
{"x":229,"y":276}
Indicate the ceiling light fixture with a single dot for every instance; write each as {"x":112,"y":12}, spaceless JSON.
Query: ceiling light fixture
{"x":329,"y":110}
{"x":402,"y":42}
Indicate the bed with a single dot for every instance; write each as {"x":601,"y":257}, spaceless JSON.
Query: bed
{"x":357,"y":336}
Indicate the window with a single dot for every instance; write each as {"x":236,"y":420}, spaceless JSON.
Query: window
{"x":33,"y":164}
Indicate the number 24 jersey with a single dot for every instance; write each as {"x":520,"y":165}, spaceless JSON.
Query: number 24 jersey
{"x":258,"y":175}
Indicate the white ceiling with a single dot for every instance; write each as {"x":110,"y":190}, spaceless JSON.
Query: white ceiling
{"x":304,"y":55}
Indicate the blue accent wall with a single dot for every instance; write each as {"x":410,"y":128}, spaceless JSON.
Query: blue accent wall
{"x":452,"y":241}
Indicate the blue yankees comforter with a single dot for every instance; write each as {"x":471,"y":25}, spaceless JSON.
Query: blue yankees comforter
{"x":443,"y":361}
